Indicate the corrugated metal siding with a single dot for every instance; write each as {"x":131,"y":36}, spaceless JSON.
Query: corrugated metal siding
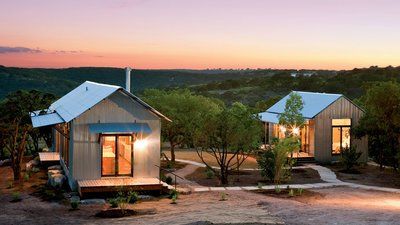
{"x":117,"y":108}
{"x":342,"y":108}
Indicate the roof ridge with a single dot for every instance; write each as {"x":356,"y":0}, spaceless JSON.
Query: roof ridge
{"x":320,"y":93}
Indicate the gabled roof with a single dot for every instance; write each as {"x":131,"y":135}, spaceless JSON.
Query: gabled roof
{"x":314,"y":103}
{"x":78,"y":101}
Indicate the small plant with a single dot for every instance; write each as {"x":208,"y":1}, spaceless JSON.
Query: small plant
{"x":349,"y":157}
{"x":26,"y":177}
{"x":300,"y":191}
{"x":16,"y":197}
{"x":170,"y":165}
{"x":163,"y":177}
{"x":173,"y":193}
{"x":74,"y":204}
{"x":173,"y":199}
{"x":113,"y":202}
{"x":291,"y":193}
{"x":223,"y":197}
{"x":168,"y":180}
{"x":35,"y":170}
{"x":260,"y":185}
{"x":209,"y":173}
{"x":10,"y":185}
{"x":277,"y":189}
{"x":132,"y":197}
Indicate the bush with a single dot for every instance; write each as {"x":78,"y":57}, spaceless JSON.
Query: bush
{"x":300,"y":191}
{"x":16,"y":197}
{"x":35,"y":170}
{"x":74,"y":204}
{"x":133,"y":196}
{"x":26,"y":177}
{"x":163,"y":177}
{"x":277,"y":189}
{"x":209,"y":173}
{"x":174,"y":198}
{"x":291,"y":193}
{"x":173,"y":193}
{"x":349,"y":157}
{"x":223,"y":196}
{"x":274,"y":162}
{"x":113,"y":202}
{"x":168,"y":180}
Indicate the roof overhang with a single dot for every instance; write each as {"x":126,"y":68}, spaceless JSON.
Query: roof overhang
{"x":119,"y":128}
{"x":45,"y":118}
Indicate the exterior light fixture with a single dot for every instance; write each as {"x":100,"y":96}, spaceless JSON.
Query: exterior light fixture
{"x":296,"y":131}
{"x":140,"y":144}
{"x":282,"y":128}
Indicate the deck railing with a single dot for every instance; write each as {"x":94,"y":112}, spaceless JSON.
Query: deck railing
{"x":176,"y":175}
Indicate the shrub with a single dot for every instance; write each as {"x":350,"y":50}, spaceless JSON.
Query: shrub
{"x":223,"y":196}
{"x":260,"y":185}
{"x":113,"y":202}
{"x":349,"y":157}
{"x":173,"y":193}
{"x":74,"y":204}
{"x":168,"y":180}
{"x":170,"y":165}
{"x":163,"y":177}
{"x":277,"y":189}
{"x":291,"y":193}
{"x":133,"y":196}
{"x":300,"y":191}
{"x":35,"y":170}
{"x":16,"y":197}
{"x":26,"y":176}
{"x":173,"y":199}
{"x":274,"y":162}
{"x":209,"y":173}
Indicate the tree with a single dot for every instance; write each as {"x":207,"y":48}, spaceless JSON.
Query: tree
{"x":381,"y":122}
{"x":185,"y":109}
{"x":15,"y":123}
{"x":228,"y":135}
{"x":292,"y":116}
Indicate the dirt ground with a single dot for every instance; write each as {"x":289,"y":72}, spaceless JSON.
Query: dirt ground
{"x":253,"y":178}
{"x":250,"y":162}
{"x":369,"y":175}
{"x":332,"y":206}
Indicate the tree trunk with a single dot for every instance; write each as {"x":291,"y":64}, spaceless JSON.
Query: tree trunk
{"x":17,"y":171}
{"x":224,"y":176}
{"x":172,"y":151}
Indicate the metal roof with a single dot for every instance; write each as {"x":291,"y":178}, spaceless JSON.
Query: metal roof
{"x":313,"y":104}
{"x":119,"y":127}
{"x":82,"y":98}
{"x":45,"y":119}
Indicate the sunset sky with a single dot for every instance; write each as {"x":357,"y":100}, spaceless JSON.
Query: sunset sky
{"x":198,"y":34}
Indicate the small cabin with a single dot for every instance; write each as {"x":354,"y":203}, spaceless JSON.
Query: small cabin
{"x":327,"y":130}
{"x":105,"y":137}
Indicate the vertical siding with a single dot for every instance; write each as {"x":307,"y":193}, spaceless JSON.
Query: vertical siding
{"x":340,"y":109}
{"x":118,"y":108}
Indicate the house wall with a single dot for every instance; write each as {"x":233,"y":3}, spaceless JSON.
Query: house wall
{"x":118,"y":108}
{"x":340,"y":109}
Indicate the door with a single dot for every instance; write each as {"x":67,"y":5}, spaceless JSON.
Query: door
{"x":117,"y":155}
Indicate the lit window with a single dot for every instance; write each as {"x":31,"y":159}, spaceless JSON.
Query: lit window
{"x":340,"y":135}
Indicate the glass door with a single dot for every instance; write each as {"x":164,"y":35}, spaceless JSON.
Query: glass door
{"x":117,"y":155}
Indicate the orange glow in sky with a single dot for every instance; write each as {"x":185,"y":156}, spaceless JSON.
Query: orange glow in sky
{"x":314,"y":34}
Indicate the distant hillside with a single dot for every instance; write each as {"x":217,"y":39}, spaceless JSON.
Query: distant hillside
{"x":60,"y":81}
{"x":251,"y":90}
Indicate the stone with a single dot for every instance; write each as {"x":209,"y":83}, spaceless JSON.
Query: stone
{"x":53,"y":172}
{"x":55,"y":167}
{"x":93,"y":201}
{"x":57,"y":180}
{"x":31,"y":164}
{"x":5,"y":162}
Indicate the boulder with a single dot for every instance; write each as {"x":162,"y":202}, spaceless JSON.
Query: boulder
{"x":31,"y":164}
{"x":57,"y":180}
{"x":93,"y":201}
{"x":55,"y":167}
{"x":53,"y":172}
{"x":5,"y":162}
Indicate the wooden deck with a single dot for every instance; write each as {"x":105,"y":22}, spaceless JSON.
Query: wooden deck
{"x":49,"y":156}
{"x":115,"y":183}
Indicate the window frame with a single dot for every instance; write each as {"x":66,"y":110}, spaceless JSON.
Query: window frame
{"x":116,"y":174}
{"x":341,"y":135}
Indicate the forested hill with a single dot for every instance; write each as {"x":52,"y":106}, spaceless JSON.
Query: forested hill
{"x":351,"y":83}
{"x":60,"y":81}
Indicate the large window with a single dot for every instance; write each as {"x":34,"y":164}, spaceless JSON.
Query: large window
{"x":340,"y":134}
{"x":116,"y":155}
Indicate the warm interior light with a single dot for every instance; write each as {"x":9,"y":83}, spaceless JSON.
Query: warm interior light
{"x":282,"y":128}
{"x":140,"y":144}
{"x":296,"y":131}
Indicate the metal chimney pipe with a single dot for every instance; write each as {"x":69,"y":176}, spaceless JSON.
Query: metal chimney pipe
{"x":128,"y":79}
